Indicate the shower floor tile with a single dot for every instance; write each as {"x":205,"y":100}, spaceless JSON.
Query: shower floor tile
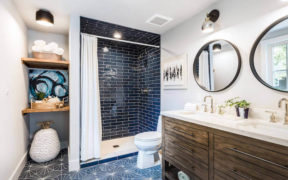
{"x":124,"y":169}
{"x":126,"y":146}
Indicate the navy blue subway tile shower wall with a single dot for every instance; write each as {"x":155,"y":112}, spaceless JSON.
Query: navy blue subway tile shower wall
{"x":118,"y":89}
{"x":149,"y":84}
{"x":129,"y":77}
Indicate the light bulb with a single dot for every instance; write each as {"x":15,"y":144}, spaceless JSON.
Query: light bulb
{"x":117,"y":35}
{"x":208,"y":26}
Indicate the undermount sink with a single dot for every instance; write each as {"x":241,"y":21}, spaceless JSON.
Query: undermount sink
{"x":262,"y":125}
{"x":267,"y":127}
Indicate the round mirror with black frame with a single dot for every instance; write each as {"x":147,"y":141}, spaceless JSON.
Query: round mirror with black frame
{"x":217,"y":65}
{"x":269,"y":56}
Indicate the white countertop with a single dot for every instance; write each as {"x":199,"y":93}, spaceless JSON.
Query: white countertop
{"x":255,"y":128}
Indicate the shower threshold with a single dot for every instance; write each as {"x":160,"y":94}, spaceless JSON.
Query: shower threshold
{"x":114,"y":149}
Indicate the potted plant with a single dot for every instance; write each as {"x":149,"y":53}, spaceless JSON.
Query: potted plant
{"x":243,"y":108}
{"x":40,"y":96}
{"x":232,"y":102}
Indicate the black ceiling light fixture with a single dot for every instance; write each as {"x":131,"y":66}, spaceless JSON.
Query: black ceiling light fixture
{"x":217,"y":47}
{"x":44,"y":18}
{"x":211,"y":18}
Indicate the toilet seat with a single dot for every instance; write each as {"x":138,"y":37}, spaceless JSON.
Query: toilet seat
{"x":148,"y":136}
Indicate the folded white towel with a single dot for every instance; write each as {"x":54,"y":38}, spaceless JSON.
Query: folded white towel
{"x":54,"y":100}
{"x":190,"y":107}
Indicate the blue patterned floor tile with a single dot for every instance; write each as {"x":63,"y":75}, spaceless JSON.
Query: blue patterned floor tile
{"x":57,"y":169}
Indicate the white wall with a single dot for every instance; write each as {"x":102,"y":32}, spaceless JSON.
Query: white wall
{"x":240,"y":22}
{"x":60,"y":39}
{"x":13,"y":92}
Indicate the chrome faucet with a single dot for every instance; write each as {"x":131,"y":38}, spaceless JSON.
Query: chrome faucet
{"x":286,"y":109}
{"x":212,"y":106}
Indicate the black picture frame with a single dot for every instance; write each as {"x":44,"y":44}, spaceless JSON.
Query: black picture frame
{"x":252,"y":53}
{"x":238,"y":68}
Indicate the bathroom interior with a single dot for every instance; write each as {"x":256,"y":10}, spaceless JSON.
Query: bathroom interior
{"x":138,"y":90}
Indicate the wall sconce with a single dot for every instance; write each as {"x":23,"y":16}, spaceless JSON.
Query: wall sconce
{"x":44,"y":18}
{"x":211,"y":18}
{"x":217,"y":47}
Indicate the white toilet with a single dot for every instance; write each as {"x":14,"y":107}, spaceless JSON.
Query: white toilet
{"x":148,"y":144}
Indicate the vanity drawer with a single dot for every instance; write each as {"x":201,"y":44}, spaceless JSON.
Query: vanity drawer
{"x":183,"y":157}
{"x":218,"y":175}
{"x":236,"y":168}
{"x":186,"y":131}
{"x":191,"y":148}
{"x":262,"y":154}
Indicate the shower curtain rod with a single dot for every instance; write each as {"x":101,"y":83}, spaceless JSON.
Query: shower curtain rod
{"x":120,"y":40}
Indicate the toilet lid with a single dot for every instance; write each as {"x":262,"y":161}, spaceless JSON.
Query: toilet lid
{"x":148,"y":136}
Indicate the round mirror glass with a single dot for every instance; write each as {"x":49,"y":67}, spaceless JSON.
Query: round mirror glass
{"x":269,"y":56}
{"x":217,"y":65}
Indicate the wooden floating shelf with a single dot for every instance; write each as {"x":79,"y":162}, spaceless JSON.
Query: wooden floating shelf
{"x":28,"y":110}
{"x":45,"y":63}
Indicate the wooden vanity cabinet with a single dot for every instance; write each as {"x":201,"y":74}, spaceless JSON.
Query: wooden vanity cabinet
{"x":206,"y":153}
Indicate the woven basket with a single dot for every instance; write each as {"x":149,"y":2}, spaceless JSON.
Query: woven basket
{"x":46,"y":105}
{"x":42,"y":55}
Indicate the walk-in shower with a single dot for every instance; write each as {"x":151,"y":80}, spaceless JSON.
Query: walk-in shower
{"x":129,"y":83}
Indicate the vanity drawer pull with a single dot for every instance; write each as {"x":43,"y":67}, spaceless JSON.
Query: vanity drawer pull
{"x":182,"y":131}
{"x":240,"y":174}
{"x":261,"y":159}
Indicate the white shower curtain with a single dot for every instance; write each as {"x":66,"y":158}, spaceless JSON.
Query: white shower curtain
{"x":91,"y":130}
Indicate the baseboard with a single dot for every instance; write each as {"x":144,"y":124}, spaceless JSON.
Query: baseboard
{"x":74,"y":165}
{"x":20,"y":166}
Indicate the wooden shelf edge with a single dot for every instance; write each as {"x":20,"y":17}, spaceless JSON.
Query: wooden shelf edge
{"x":29,"y":110}
{"x":45,"y":63}
{"x":44,"y":60}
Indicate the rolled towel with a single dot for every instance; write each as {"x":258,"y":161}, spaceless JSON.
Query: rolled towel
{"x":59,"y":51}
{"x":39,"y":43}
{"x":53,"y":45}
{"x":47,"y":49}
{"x":37,"y":48}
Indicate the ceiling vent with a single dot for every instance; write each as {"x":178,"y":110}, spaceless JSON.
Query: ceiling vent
{"x":158,"y":20}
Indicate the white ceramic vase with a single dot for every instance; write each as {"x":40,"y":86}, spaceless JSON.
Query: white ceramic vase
{"x":244,"y":113}
{"x":45,"y":145}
